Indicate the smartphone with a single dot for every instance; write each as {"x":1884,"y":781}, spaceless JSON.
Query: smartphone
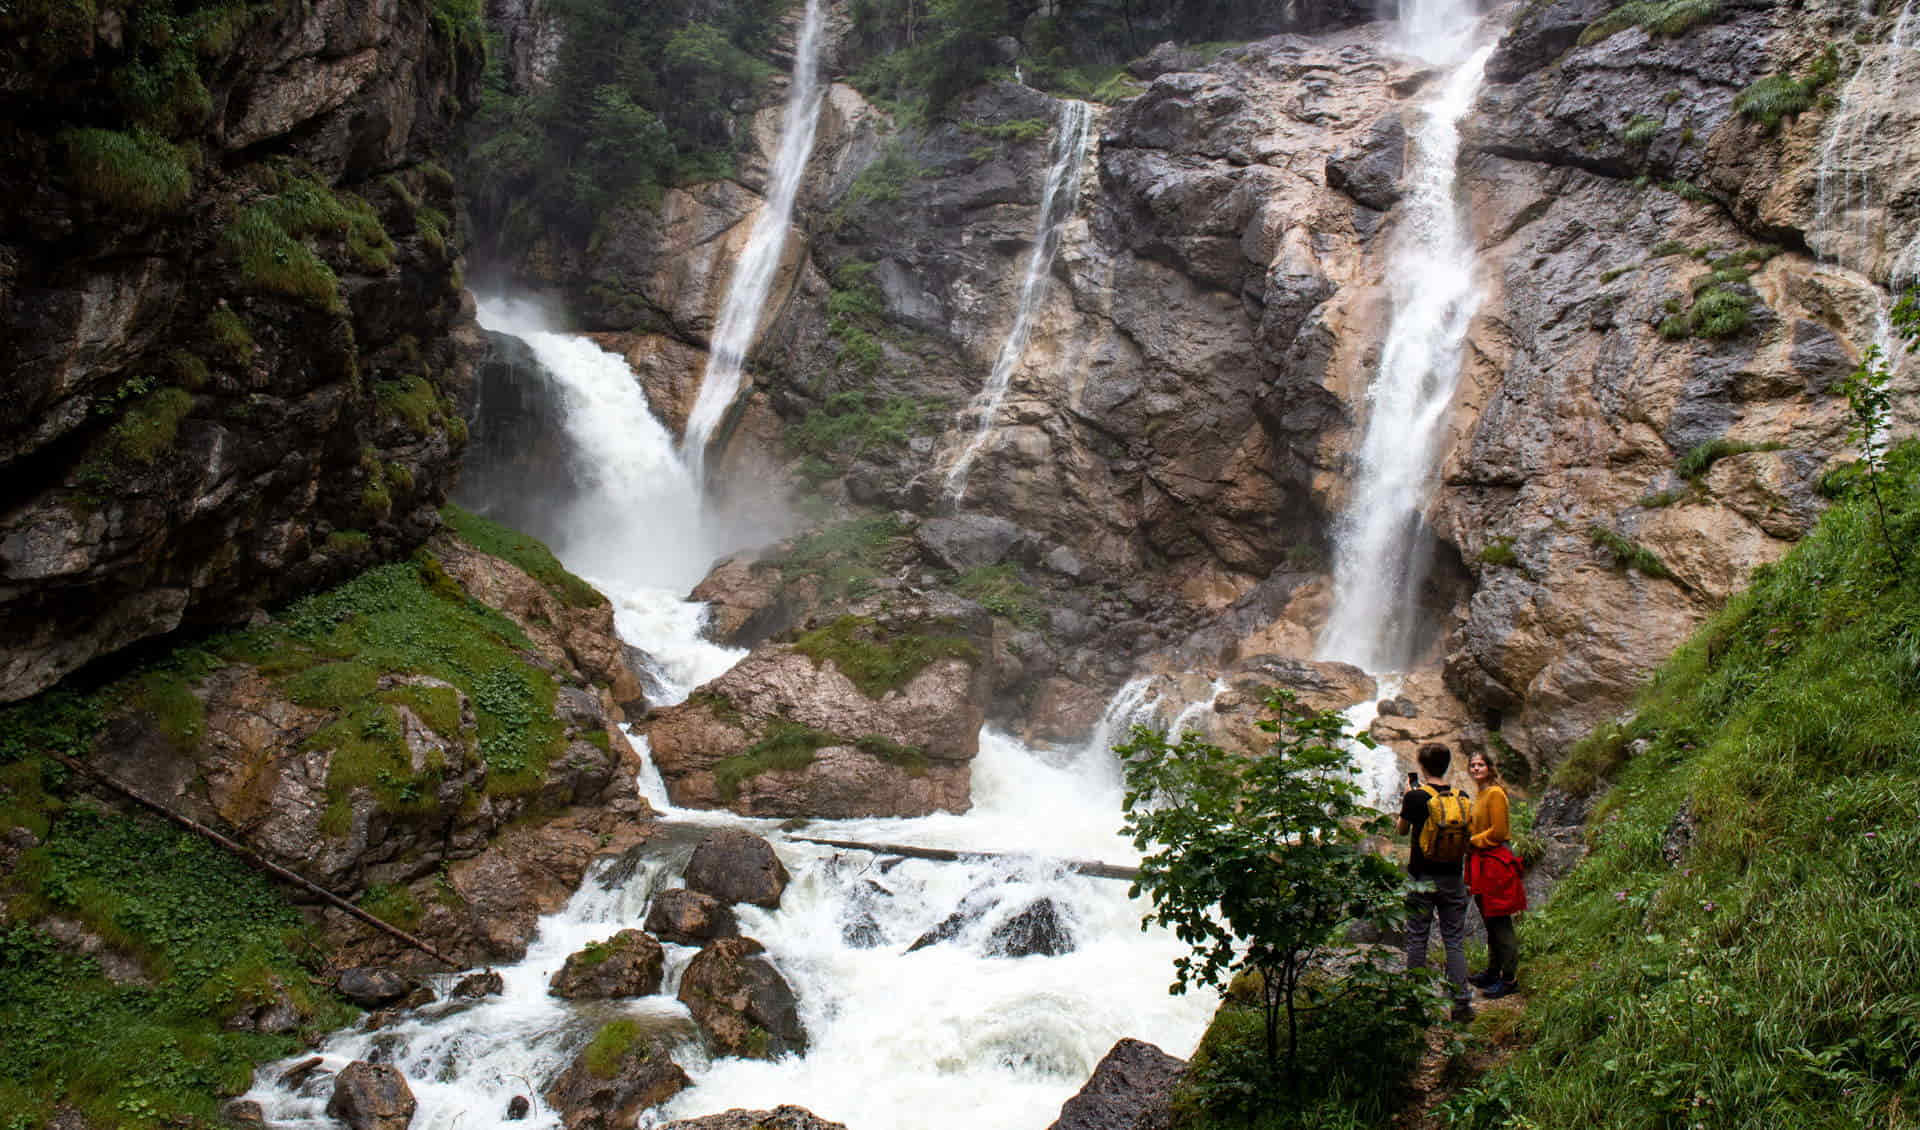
{"x":1413,"y":780}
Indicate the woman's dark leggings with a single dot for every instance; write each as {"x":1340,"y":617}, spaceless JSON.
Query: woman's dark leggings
{"x":1503,"y":948}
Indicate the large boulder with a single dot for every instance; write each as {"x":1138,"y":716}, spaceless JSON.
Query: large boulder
{"x":735,"y":866}
{"x":621,"y":1073}
{"x":779,"y":1118}
{"x":741,"y":1003}
{"x":371,"y":1096}
{"x":690,"y":918}
{"x":1039,"y":929}
{"x":875,"y":711}
{"x":629,"y":964}
{"x":1131,"y":1089}
{"x":372,"y":986}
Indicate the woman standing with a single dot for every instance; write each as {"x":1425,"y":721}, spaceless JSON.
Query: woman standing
{"x":1494,"y":877}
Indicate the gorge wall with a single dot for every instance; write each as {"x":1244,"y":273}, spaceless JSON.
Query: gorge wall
{"x":1162,"y":473}
{"x":230,"y":311}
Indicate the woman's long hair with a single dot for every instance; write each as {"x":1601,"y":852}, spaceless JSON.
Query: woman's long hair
{"x":1492,"y":765}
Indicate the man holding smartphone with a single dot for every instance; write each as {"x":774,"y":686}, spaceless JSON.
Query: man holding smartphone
{"x":1437,"y":818}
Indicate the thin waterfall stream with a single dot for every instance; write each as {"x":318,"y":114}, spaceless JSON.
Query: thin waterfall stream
{"x":1072,"y":133}
{"x":744,"y":307}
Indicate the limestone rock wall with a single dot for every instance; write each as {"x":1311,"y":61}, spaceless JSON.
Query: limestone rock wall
{"x":230,"y":315}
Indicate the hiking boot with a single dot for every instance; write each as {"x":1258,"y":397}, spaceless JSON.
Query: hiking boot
{"x":1462,"y":1012}
{"x":1483,"y":979}
{"x":1499,"y":989}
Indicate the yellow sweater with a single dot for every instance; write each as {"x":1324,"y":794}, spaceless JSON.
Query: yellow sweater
{"x":1488,"y":821}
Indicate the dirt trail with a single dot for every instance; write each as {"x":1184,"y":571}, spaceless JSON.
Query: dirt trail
{"x":1456,"y":1058}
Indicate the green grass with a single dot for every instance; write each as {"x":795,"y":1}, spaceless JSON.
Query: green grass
{"x":1770,"y":978}
{"x":1017,"y":131}
{"x":272,"y":260}
{"x":148,"y":429}
{"x":785,"y":745}
{"x":1668,"y":18}
{"x":411,"y":399}
{"x":1627,"y":553}
{"x":213,"y":937}
{"x":268,"y":240}
{"x":1718,"y":312}
{"x":1772,"y":99}
{"x":392,"y":903}
{"x":527,"y":554}
{"x":999,"y":589}
{"x":879,"y":185}
{"x":1694,"y":465}
{"x":845,"y":556}
{"x":877,"y":660}
{"x":851,"y":424}
{"x":1640,"y":131}
{"x":227,"y":333}
{"x":1499,"y":552}
{"x":609,"y":1046}
{"x":134,"y":172}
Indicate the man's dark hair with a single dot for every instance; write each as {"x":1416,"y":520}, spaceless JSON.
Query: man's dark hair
{"x":1434,"y":759}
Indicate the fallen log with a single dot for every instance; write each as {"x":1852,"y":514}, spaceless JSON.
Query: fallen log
{"x":1090,"y":868}
{"x":253,"y":859}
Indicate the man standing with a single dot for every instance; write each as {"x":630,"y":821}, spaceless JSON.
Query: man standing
{"x":1438,"y":819}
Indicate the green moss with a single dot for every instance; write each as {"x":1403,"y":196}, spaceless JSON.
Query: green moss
{"x":1608,"y":276}
{"x":148,"y":429}
{"x":999,"y":589}
{"x":1669,"y":18}
{"x":1769,"y":976}
{"x":524,"y":553}
{"x":227,"y":332}
{"x":135,"y":172}
{"x":392,"y":903}
{"x":1667,"y":247}
{"x":375,"y":502}
{"x":877,"y":660}
{"x":1499,"y":552}
{"x":348,"y":541}
{"x":911,"y":758}
{"x":609,"y":1046}
{"x":189,"y":370}
{"x":340,"y":685}
{"x":1697,"y":462}
{"x":399,"y":477}
{"x":844,"y":556}
{"x":166,"y":697}
{"x":784,"y":745}
{"x":1627,"y":553}
{"x":411,"y":399}
{"x":438,"y":707}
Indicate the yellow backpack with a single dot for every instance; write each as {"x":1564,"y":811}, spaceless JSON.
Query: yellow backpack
{"x":1443,"y":838}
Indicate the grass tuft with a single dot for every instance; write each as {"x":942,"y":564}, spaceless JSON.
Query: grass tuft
{"x":135,"y":172}
{"x":785,"y":745}
{"x":527,"y":554}
{"x":879,"y":661}
{"x":1627,"y":553}
{"x":1696,"y":463}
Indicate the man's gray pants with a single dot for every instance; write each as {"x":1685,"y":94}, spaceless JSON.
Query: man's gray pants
{"x":1447,"y":898}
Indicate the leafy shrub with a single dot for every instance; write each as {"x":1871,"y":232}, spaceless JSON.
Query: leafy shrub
{"x":1718,"y":311}
{"x":136,"y":172}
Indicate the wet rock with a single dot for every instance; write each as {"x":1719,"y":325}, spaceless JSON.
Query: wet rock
{"x":243,"y":1112}
{"x":1039,"y":929}
{"x":735,"y":866}
{"x":612,"y":1097}
{"x":971,"y":909}
{"x":741,"y":1003}
{"x":968,"y":541}
{"x":1370,"y":173}
{"x":779,"y":1118}
{"x":374,"y":987}
{"x":689,"y":918}
{"x":371,"y":1096}
{"x":629,"y":964}
{"x":294,"y":1077}
{"x":1131,"y":1089}
{"x":476,"y":985}
{"x":517,"y":1108}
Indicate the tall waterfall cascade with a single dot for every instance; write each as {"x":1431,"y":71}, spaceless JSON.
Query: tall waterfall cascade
{"x":1380,"y":555}
{"x":1068,"y":154}
{"x":951,"y":1036}
{"x":1850,"y":197}
{"x":752,"y":281}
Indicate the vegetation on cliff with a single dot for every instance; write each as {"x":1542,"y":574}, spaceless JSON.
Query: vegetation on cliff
{"x":1742,"y":948}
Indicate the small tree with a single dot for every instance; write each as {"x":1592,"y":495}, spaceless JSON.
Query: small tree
{"x":1258,"y":863}
{"x":1870,"y":403}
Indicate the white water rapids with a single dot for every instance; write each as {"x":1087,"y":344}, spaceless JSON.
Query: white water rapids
{"x":946,"y":1037}
{"x":1057,"y":200}
{"x":753,"y":274}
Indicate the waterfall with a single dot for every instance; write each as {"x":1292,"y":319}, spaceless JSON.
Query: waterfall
{"x":633,"y":522}
{"x":1850,"y":198}
{"x":1381,"y":550}
{"x":1057,"y":202}
{"x":752,"y":281}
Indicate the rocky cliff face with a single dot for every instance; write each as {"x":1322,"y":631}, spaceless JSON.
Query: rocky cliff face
{"x":1648,"y":398}
{"x":230,"y":312}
